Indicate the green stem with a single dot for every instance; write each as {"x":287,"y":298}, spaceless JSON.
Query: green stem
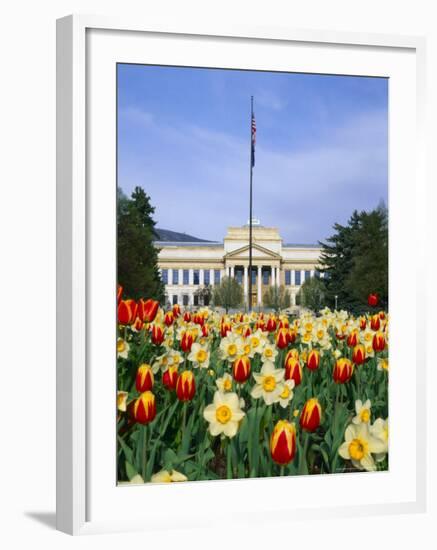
{"x":229,"y":460}
{"x":144,"y":464}
{"x":282,"y":470}
{"x":303,"y":462}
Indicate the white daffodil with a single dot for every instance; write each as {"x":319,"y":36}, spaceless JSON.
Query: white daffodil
{"x":269,"y":353}
{"x":224,"y":414}
{"x":359,"y":445}
{"x":136,"y":480}
{"x":122,"y":348}
{"x":224,"y":384}
{"x":362,"y":411}
{"x":174,"y":358}
{"x":161,"y":362}
{"x":199,"y":356}
{"x":287,"y":393}
{"x":269,"y":383}
{"x":257,"y":342}
{"x":231,"y":347}
{"x":122,"y":400}
{"x":379,"y":429}
{"x":165,"y":476}
{"x":382,"y":364}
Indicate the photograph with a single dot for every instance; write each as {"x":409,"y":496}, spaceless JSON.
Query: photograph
{"x":252,"y":298}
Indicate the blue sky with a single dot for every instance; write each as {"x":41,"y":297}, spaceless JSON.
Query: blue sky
{"x":321,"y":152}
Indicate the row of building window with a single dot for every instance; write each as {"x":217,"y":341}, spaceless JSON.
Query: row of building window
{"x":298,"y":280}
{"x":196,"y":276}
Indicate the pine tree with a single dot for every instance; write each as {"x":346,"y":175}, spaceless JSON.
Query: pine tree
{"x":337,"y":260}
{"x":369,"y":271}
{"x":355,"y":261}
{"x":137,"y":257}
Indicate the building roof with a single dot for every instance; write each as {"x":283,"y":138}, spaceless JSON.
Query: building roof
{"x":187,"y":243}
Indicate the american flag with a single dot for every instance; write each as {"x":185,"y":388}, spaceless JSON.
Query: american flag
{"x":253,"y":139}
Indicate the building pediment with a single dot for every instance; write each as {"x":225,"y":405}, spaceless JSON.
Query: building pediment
{"x":258,"y":251}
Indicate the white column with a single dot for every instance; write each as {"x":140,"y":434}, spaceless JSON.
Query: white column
{"x":211,"y":277}
{"x":170,"y":276}
{"x":302,"y":276}
{"x":312,"y":273}
{"x":273,"y":276}
{"x":201,"y":278}
{"x":278,"y":276}
{"x":190,"y":276}
{"x":259,"y":297}
{"x":293,"y":277}
{"x":181,"y":277}
{"x":245,"y":284}
{"x":232,"y":271}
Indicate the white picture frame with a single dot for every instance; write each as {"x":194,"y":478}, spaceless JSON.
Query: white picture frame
{"x":76,"y":214}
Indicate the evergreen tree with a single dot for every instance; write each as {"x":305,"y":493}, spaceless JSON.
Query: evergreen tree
{"x":355,"y":261}
{"x":337,"y":258}
{"x":137,"y":257}
{"x":369,"y":271}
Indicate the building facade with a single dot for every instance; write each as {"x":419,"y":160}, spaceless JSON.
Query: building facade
{"x":187,"y":267}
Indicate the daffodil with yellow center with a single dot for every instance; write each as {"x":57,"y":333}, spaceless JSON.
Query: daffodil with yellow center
{"x":122,"y":348}
{"x":359,"y":445}
{"x":165,"y":476}
{"x":231,"y":346}
{"x":382,"y":364}
{"x":269,"y":353}
{"x":379,"y":429}
{"x":122,"y":400}
{"x":362,"y":411}
{"x":287,"y":393}
{"x":199,"y":356}
{"x":269,"y":383}
{"x":224,"y":414}
{"x":224,"y":384}
{"x":257,"y":341}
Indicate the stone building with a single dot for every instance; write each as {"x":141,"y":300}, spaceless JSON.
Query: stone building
{"x":186,"y":267}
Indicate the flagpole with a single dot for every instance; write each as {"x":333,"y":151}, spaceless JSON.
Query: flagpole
{"x":249,"y":298}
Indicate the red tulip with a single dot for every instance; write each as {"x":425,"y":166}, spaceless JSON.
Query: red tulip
{"x":343,"y":370}
{"x":185,"y":386}
{"x":225,"y":328}
{"x":148,"y":310}
{"x":352,"y":339}
{"x":169,"y":318}
{"x":375,"y":322}
{"x":187,"y":316}
{"x":176,"y":310}
{"x":157,"y":335}
{"x":313,"y":360}
{"x":144,"y":380}
{"x":378,"y":342}
{"x":311,"y":415}
{"x":127,"y":312}
{"x":241,"y":369}
{"x":271,"y":324}
{"x":144,"y":409}
{"x":187,"y":341}
{"x":170,"y":377}
{"x":372,"y":300}
{"x":283,"y":442}
{"x":293,"y":370}
{"x":359,"y":354}
{"x":282,"y":338}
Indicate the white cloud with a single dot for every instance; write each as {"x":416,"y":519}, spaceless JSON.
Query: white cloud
{"x":198,"y":178}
